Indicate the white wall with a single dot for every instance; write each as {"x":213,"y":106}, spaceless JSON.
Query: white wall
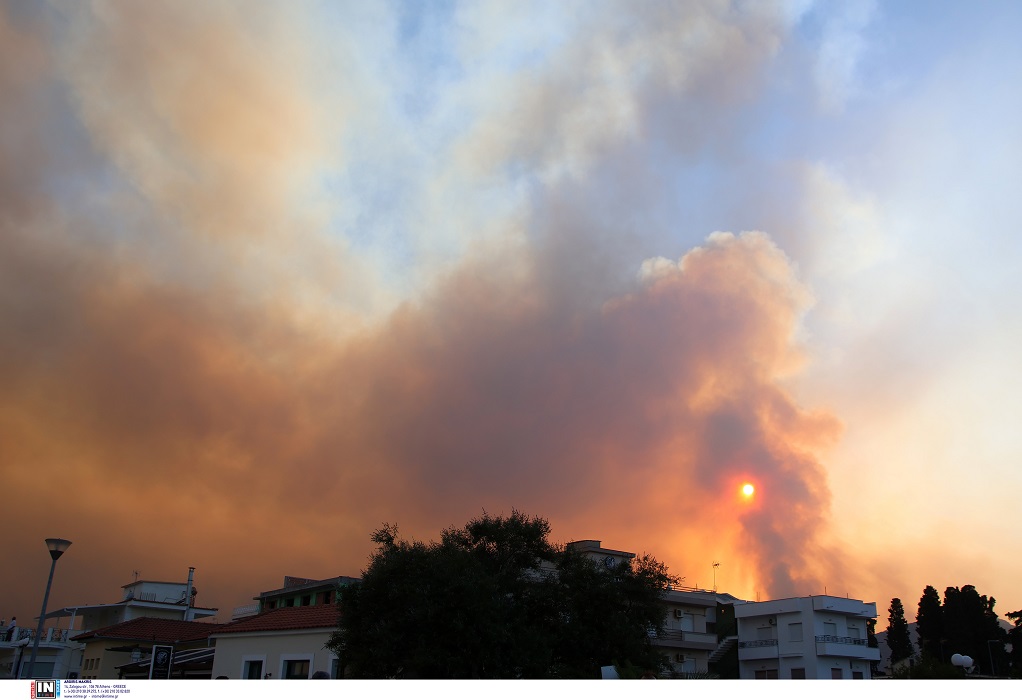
{"x":274,"y":647}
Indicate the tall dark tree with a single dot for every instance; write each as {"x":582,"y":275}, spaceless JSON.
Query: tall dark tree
{"x":995,"y":637}
{"x":1014,"y":637}
{"x":971,"y":627}
{"x":930,"y":624}
{"x":495,"y":599}
{"x":873,"y":643}
{"x":897,"y":632}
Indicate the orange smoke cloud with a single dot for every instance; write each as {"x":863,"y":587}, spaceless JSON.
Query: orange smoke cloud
{"x":166,"y":412}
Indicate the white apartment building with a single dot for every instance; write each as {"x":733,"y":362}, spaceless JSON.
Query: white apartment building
{"x":814,"y":637}
{"x":691,"y":640}
{"x":693,"y":637}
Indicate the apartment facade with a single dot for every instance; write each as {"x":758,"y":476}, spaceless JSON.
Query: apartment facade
{"x":283,"y":643}
{"x":691,"y":641}
{"x":812,"y":637}
{"x":302,"y":592}
{"x":124,"y":650}
{"x":698,"y":630}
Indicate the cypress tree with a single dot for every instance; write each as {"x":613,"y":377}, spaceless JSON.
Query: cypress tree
{"x":897,"y":632}
{"x":930,"y":624}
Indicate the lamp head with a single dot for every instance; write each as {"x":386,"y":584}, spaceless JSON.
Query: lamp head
{"x":57,"y":547}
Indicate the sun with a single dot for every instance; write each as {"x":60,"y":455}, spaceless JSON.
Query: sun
{"x":748,"y":490}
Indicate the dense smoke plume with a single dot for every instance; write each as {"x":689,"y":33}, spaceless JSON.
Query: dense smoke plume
{"x":205,"y":364}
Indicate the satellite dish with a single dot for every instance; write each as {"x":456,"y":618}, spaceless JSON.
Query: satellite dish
{"x":961,"y":660}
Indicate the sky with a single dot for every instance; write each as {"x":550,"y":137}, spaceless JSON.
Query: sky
{"x":275,"y":274}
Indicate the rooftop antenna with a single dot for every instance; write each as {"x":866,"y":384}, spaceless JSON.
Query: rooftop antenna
{"x":188,"y":594}
{"x":135,"y":574}
{"x":715,"y":565}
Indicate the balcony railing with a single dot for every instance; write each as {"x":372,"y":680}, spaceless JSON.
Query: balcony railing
{"x":51,"y":635}
{"x":840,"y":640}
{"x":691,"y":640}
{"x":758,"y":649}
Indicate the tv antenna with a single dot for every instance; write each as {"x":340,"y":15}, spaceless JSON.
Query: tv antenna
{"x":715,"y":565}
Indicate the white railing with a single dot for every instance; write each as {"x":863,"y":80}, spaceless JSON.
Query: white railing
{"x":51,"y":635}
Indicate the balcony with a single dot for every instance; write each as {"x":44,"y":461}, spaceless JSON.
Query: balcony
{"x":848,"y":647}
{"x":757,"y":649}
{"x":679,"y":639}
{"x":51,"y":635}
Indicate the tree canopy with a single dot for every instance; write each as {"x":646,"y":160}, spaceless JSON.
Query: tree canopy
{"x":495,"y":599}
{"x":964,"y":624}
{"x":897,"y":632}
{"x":1014,"y":637}
{"x":930,"y":623}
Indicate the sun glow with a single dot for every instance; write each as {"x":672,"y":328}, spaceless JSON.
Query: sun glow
{"x":748,"y":490}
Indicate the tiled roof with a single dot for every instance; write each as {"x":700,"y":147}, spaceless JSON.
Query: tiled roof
{"x":152,"y":629}
{"x":282,"y":619}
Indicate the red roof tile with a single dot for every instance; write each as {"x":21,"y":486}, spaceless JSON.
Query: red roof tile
{"x":282,"y":619}
{"x":152,"y":629}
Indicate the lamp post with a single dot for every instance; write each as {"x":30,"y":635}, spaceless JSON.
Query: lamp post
{"x":57,"y":547}
{"x":991,"y":652}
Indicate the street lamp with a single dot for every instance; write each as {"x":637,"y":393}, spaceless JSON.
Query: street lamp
{"x":57,"y":547}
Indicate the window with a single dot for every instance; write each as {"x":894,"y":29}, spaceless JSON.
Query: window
{"x":854,"y":632}
{"x":306,"y":600}
{"x":857,"y":676}
{"x":687,"y":622}
{"x":42,"y":669}
{"x":798,"y":673}
{"x":252,"y":669}
{"x":836,"y":674}
{"x":296,"y":668}
{"x":764,"y":633}
{"x":334,"y":668}
{"x":766,"y":674}
{"x":795,"y":632}
{"x":830,"y":629}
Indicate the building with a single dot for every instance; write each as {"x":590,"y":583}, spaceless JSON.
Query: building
{"x":692,"y":641}
{"x":813,"y":637}
{"x":60,"y":656}
{"x":302,"y":592}
{"x":595,"y":551}
{"x":154,"y":599}
{"x":699,"y":630}
{"x":124,"y":650}
{"x":283,"y":643}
